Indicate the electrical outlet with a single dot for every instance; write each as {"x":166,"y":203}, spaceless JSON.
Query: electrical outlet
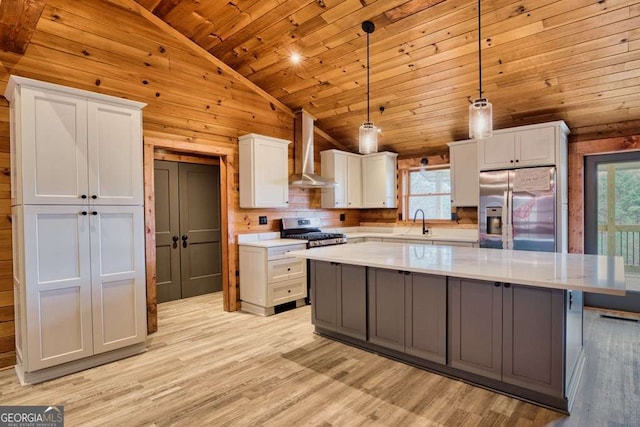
{"x":342,"y":217}
{"x":262,"y":220}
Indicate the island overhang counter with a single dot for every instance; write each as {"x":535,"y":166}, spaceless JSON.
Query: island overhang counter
{"x":507,"y":320}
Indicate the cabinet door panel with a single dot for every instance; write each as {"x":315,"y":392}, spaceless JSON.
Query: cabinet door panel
{"x":57,"y":280}
{"x":535,"y":147}
{"x":118,"y":282}
{"x":352,"y":301}
{"x":386,"y":308}
{"x":532,"y":342}
{"x":271,"y":174}
{"x":496,"y":152}
{"x":54,"y":148}
{"x":354,"y":181}
{"x":464,"y":174}
{"x":426,"y":317}
{"x":475,"y":309}
{"x":324,"y":294}
{"x":115,"y":154}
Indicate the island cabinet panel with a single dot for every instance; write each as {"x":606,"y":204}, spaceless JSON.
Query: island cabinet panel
{"x":475,"y":326}
{"x":386,"y":308}
{"x":352,"y":301}
{"x":426,"y":316}
{"x":324,"y":294}
{"x":339,"y":298}
{"x":532,"y":338}
{"x":509,"y":333}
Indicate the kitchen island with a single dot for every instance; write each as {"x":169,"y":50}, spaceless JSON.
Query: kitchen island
{"x":507,"y":320}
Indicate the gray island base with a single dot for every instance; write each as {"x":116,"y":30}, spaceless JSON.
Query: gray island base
{"x":432,"y":308}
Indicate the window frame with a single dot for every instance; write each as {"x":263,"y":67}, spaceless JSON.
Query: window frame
{"x":405,"y":193}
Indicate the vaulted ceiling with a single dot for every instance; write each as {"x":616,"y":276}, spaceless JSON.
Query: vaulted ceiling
{"x":543,"y":60}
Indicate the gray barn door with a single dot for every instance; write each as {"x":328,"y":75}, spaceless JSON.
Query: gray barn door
{"x":167,"y":231}
{"x":188,"y":253}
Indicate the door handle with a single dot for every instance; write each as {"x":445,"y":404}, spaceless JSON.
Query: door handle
{"x":184,"y":240}
{"x":175,"y":241}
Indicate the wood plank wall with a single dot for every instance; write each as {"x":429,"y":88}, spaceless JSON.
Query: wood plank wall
{"x":105,"y":47}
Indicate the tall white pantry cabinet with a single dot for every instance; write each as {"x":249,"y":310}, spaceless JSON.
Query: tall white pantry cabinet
{"x":77,"y":227}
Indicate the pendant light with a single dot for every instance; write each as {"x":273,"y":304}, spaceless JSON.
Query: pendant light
{"x":368,"y":136}
{"x":481,"y":110}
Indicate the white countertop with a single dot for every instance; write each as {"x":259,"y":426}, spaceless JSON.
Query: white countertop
{"x":588,"y":273}
{"x":273,"y":243}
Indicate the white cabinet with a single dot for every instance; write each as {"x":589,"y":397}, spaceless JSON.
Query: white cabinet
{"x":463,"y":157}
{"x":346,"y":169}
{"x":78,"y":228}
{"x":379,"y":180}
{"x":269,"y":277}
{"x":70,"y":149}
{"x":534,"y":145}
{"x":84,"y":292}
{"x":264,"y":171}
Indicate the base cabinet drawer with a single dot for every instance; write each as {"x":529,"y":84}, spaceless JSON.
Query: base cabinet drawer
{"x":286,"y":291}
{"x":284,"y":269}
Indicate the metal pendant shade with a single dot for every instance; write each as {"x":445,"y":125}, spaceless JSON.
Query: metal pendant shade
{"x":481,"y":110}
{"x":368,"y":135}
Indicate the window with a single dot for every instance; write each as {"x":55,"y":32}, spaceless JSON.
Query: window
{"x":429,"y":190}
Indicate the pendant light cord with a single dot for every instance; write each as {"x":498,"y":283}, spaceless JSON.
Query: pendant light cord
{"x":479,"y":51}
{"x":368,"y":121}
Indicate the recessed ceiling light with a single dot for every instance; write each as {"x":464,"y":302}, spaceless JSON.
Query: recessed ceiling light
{"x":295,"y":57}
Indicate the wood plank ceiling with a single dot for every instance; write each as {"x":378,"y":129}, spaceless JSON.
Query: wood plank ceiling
{"x":543,"y":60}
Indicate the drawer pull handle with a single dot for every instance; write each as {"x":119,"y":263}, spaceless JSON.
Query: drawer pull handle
{"x":289,"y":269}
{"x":289,"y":291}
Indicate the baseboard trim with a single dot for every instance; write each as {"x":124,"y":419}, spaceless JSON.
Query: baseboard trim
{"x":35,"y":377}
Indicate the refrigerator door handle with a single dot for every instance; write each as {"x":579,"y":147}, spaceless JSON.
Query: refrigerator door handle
{"x":505,"y":220}
{"x":509,"y":226}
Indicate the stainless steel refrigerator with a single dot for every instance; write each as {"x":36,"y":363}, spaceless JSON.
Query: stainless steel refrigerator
{"x":519,"y":209}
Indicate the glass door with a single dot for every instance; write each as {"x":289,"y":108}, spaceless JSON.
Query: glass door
{"x":612,"y":220}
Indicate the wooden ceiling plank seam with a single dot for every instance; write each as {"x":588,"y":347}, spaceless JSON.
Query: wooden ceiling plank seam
{"x":18,"y":20}
{"x":377,"y":74}
{"x":82,"y":15}
{"x":504,"y":64}
{"x":255,"y":12}
{"x":390,"y":43}
{"x":232,"y":47}
{"x":203,"y":53}
{"x":91,"y":47}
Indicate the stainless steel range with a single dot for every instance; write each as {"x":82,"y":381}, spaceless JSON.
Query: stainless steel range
{"x":309,"y":229}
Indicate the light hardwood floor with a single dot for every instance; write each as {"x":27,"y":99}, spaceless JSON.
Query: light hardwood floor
{"x":208,"y":367}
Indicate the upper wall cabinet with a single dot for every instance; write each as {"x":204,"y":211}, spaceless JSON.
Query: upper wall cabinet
{"x":535,"y":145}
{"x":73,"y":147}
{"x":463,"y":157}
{"x":264,"y":172}
{"x":346,"y":169}
{"x":379,"y":187}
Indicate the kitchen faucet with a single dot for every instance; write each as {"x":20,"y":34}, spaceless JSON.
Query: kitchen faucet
{"x":425,"y":230}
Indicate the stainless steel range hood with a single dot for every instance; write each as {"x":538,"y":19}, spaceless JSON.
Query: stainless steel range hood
{"x":303,"y":154}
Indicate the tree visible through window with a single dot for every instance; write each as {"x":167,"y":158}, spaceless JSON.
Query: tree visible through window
{"x":429,"y":190}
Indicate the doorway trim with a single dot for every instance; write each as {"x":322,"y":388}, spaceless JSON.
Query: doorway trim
{"x":225,"y":156}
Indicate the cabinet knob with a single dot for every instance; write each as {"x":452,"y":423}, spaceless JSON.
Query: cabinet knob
{"x":511,"y":161}
{"x":507,"y":285}
{"x":517,"y":160}
{"x":184,"y":240}
{"x":83,"y":212}
{"x":94,"y":197}
{"x":84,"y":196}
{"x":175,"y":241}
{"x":289,"y":291}
{"x":289,"y":269}
{"x":94,"y":213}
{"x":497,"y":284}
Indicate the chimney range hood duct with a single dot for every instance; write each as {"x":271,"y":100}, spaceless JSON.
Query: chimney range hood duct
{"x":303,"y":154}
